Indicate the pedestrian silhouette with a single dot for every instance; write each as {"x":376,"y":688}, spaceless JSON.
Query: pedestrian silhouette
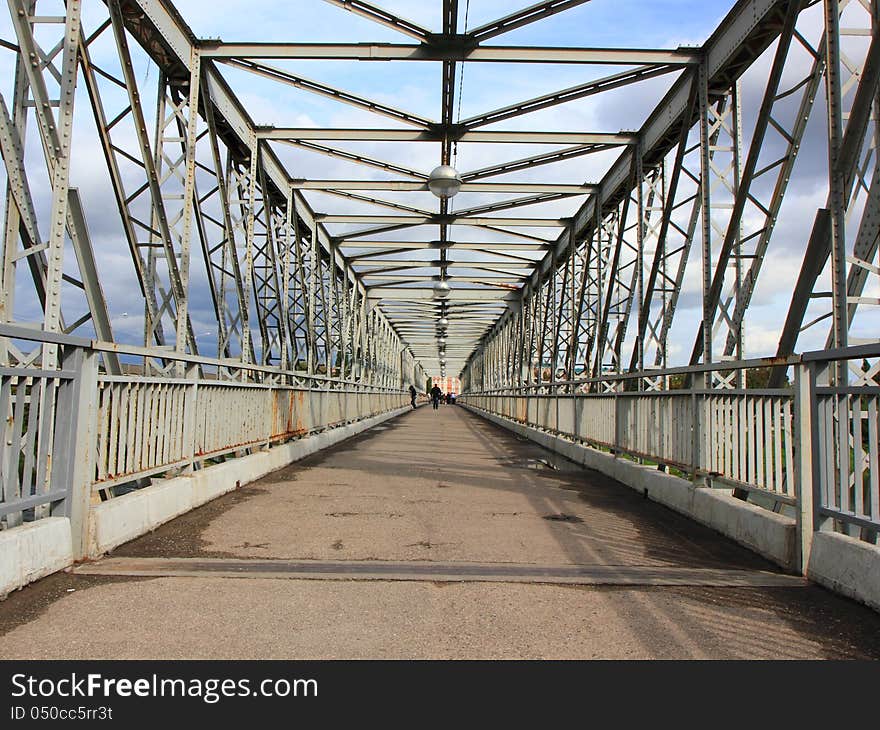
{"x":436,"y":393}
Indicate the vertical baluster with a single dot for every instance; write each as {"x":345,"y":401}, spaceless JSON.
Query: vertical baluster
{"x":874,"y":458}
{"x":855,"y":414}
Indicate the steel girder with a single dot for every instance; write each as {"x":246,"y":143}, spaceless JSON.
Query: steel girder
{"x":706,"y":188}
{"x":452,"y":50}
{"x":196,"y":183}
{"x":604,"y":294}
{"x":45,"y":79}
{"x":448,"y":132}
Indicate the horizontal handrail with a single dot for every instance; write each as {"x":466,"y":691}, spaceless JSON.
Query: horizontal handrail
{"x":814,"y":356}
{"x":30,"y":334}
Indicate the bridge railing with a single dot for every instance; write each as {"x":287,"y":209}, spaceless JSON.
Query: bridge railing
{"x":811,"y":445}
{"x":147,"y":425}
{"x":740,"y":437}
{"x":75,"y":434}
{"x":31,"y":400}
{"x":840,"y":426}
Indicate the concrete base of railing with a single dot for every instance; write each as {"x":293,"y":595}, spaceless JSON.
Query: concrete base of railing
{"x":767,"y":533}
{"x":37,"y":549}
{"x":33,"y":550}
{"x":846,"y":565}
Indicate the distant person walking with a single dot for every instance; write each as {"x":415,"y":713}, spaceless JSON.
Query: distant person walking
{"x":436,"y":394}
{"x":412,"y":395}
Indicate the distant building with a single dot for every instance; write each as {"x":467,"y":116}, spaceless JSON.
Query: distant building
{"x":447,"y":385}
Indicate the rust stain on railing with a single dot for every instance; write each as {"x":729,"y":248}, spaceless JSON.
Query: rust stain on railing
{"x":300,"y":401}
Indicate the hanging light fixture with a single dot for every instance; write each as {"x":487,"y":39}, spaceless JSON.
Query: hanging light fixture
{"x":444,"y":181}
{"x":441,"y":289}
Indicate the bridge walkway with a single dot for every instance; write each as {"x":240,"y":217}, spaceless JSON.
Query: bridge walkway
{"x":435,"y":535}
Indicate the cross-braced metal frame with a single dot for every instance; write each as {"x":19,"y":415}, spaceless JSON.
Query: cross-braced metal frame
{"x":687,"y":193}
{"x":205,"y":200}
{"x":193,"y":181}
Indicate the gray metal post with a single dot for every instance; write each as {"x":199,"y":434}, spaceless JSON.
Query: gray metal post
{"x":806,"y":466}
{"x":190,"y":400}
{"x":74,"y":448}
{"x":696,"y":433}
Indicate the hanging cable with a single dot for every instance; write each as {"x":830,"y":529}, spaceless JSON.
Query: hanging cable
{"x":467,"y":8}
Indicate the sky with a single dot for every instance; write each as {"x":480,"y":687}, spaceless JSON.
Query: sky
{"x":415,"y":87}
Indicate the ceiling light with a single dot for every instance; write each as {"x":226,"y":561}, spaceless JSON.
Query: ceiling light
{"x":444,"y":181}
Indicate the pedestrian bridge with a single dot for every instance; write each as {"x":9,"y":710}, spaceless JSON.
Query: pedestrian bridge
{"x":664,"y":327}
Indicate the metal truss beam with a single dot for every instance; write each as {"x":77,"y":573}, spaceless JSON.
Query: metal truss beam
{"x":437,"y":133}
{"x":546,"y":158}
{"x":316,"y":87}
{"x":379,"y":15}
{"x":458,"y":294}
{"x":413,"y":263}
{"x":379,"y":202}
{"x":583,"y":282}
{"x":204,"y":175}
{"x":359,"y":159}
{"x":581,"y":91}
{"x":448,"y":52}
{"x":515,"y":203}
{"x":522,"y":17}
{"x":45,"y":79}
{"x":451,"y":219}
{"x":474,"y":187}
{"x":494,"y":246}
{"x":268,"y":222}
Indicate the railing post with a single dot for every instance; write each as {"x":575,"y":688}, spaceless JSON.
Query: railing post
{"x":806,"y":466}
{"x":190,"y":409}
{"x":696,"y":434}
{"x":556,"y":396}
{"x":74,"y":447}
{"x":617,"y":425}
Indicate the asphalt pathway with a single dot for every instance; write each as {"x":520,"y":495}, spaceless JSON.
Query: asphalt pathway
{"x":435,"y":535}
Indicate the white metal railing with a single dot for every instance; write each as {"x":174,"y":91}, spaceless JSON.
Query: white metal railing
{"x":742,"y":439}
{"x":30,"y":402}
{"x":848,"y":454}
{"x":813,"y":446}
{"x":148,"y":425}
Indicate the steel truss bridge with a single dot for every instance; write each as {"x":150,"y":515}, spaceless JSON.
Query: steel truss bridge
{"x":568,"y":324}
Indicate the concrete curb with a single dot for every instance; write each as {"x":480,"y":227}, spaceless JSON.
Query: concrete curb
{"x":848,"y":566}
{"x":33,"y":550}
{"x":766,"y":533}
